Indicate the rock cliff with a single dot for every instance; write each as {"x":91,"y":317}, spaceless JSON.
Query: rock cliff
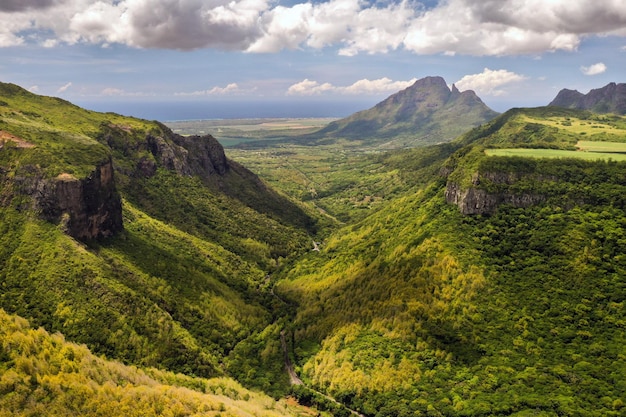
{"x":87,"y":208}
{"x":485,"y":200}
{"x":186,"y":155}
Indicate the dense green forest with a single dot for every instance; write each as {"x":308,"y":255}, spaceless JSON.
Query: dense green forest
{"x":184,"y":287}
{"x":43,"y":374}
{"x":420,"y":310}
{"x":448,"y":282}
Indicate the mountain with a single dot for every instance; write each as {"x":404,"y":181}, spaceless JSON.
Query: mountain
{"x":151,"y":248}
{"x":425,"y":113}
{"x":491,"y":286}
{"x":43,"y":374}
{"x":488,"y":281}
{"x":609,"y":99}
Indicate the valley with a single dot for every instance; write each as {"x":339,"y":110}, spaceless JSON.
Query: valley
{"x":480,"y":275}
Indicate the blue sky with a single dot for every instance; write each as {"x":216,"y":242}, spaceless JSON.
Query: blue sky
{"x":101,"y":53}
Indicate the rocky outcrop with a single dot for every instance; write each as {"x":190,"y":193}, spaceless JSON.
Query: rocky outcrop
{"x":476,"y":200}
{"x":88,"y":208}
{"x":201,"y":156}
{"x":609,"y":99}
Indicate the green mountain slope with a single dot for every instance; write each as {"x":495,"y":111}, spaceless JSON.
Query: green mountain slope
{"x":43,"y":374}
{"x":420,"y":309}
{"x":427,"y":112}
{"x":180,"y":282}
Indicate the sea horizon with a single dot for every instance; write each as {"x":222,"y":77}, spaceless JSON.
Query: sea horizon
{"x":170,"y":111}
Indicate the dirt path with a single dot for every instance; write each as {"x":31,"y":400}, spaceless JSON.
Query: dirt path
{"x":293,"y":377}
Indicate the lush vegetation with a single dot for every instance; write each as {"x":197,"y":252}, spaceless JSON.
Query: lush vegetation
{"x":185,"y":287}
{"x":43,"y":374}
{"x":408,"y":308}
{"x":559,"y":153}
{"x":418,"y":310}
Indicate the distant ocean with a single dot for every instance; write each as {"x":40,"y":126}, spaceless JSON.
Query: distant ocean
{"x":188,"y":110}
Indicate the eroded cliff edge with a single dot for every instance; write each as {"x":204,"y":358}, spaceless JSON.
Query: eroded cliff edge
{"x":497,"y":189}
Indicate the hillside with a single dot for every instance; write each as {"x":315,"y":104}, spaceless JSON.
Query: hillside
{"x":427,"y":308}
{"x":427,"y":112}
{"x":609,"y":99}
{"x":149,"y":247}
{"x":479,"y":277}
{"x":43,"y":374}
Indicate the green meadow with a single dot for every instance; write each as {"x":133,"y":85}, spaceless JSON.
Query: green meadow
{"x":590,"y":155}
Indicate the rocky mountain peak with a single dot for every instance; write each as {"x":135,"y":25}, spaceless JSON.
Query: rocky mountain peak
{"x":609,"y":99}
{"x":426,"y":112}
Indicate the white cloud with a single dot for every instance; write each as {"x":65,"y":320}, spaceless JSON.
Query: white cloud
{"x":364,"y":86}
{"x":112,"y":91}
{"x":309,"y":88}
{"x":594,"y":69}
{"x":470,"y":27}
{"x":33,"y":88}
{"x":64,"y":88}
{"x":232,"y":88}
{"x":489,"y":81}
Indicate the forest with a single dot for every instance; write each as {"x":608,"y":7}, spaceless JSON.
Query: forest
{"x":410,"y":307}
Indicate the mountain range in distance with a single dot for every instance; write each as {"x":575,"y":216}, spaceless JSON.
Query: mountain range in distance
{"x":430,"y":112}
{"x":609,"y":99}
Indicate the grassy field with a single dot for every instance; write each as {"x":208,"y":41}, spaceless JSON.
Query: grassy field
{"x":556,"y":153}
{"x":231,"y":132}
{"x":608,"y":125}
{"x":606,"y":147}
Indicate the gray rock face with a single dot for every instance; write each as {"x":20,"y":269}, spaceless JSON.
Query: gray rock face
{"x":188,"y":155}
{"x":476,"y":200}
{"x":88,"y":208}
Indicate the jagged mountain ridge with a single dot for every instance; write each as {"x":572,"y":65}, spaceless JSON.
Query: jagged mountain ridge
{"x":608,"y":99}
{"x":426,"y":112}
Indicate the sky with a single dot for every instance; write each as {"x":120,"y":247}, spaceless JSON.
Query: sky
{"x":162,"y":58}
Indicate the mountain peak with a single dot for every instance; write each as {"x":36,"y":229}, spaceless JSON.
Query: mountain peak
{"x":430,"y":81}
{"x":426,"y":112}
{"x":609,"y":99}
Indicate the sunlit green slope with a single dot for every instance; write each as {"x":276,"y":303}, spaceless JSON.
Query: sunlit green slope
{"x":419,"y":309}
{"x":43,"y":374}
{"x":184,"y":285}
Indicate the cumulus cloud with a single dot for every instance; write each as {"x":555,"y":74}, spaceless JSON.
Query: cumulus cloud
{"x":364,"y":86}
{"x":472,"y":27}
{"x":64,"y":88}
{"x":232,"y":88}
{"x":112,"y":91}
{"x":489,"y":81}
{"x":307,"y":87}
{"x":594,"y":69}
